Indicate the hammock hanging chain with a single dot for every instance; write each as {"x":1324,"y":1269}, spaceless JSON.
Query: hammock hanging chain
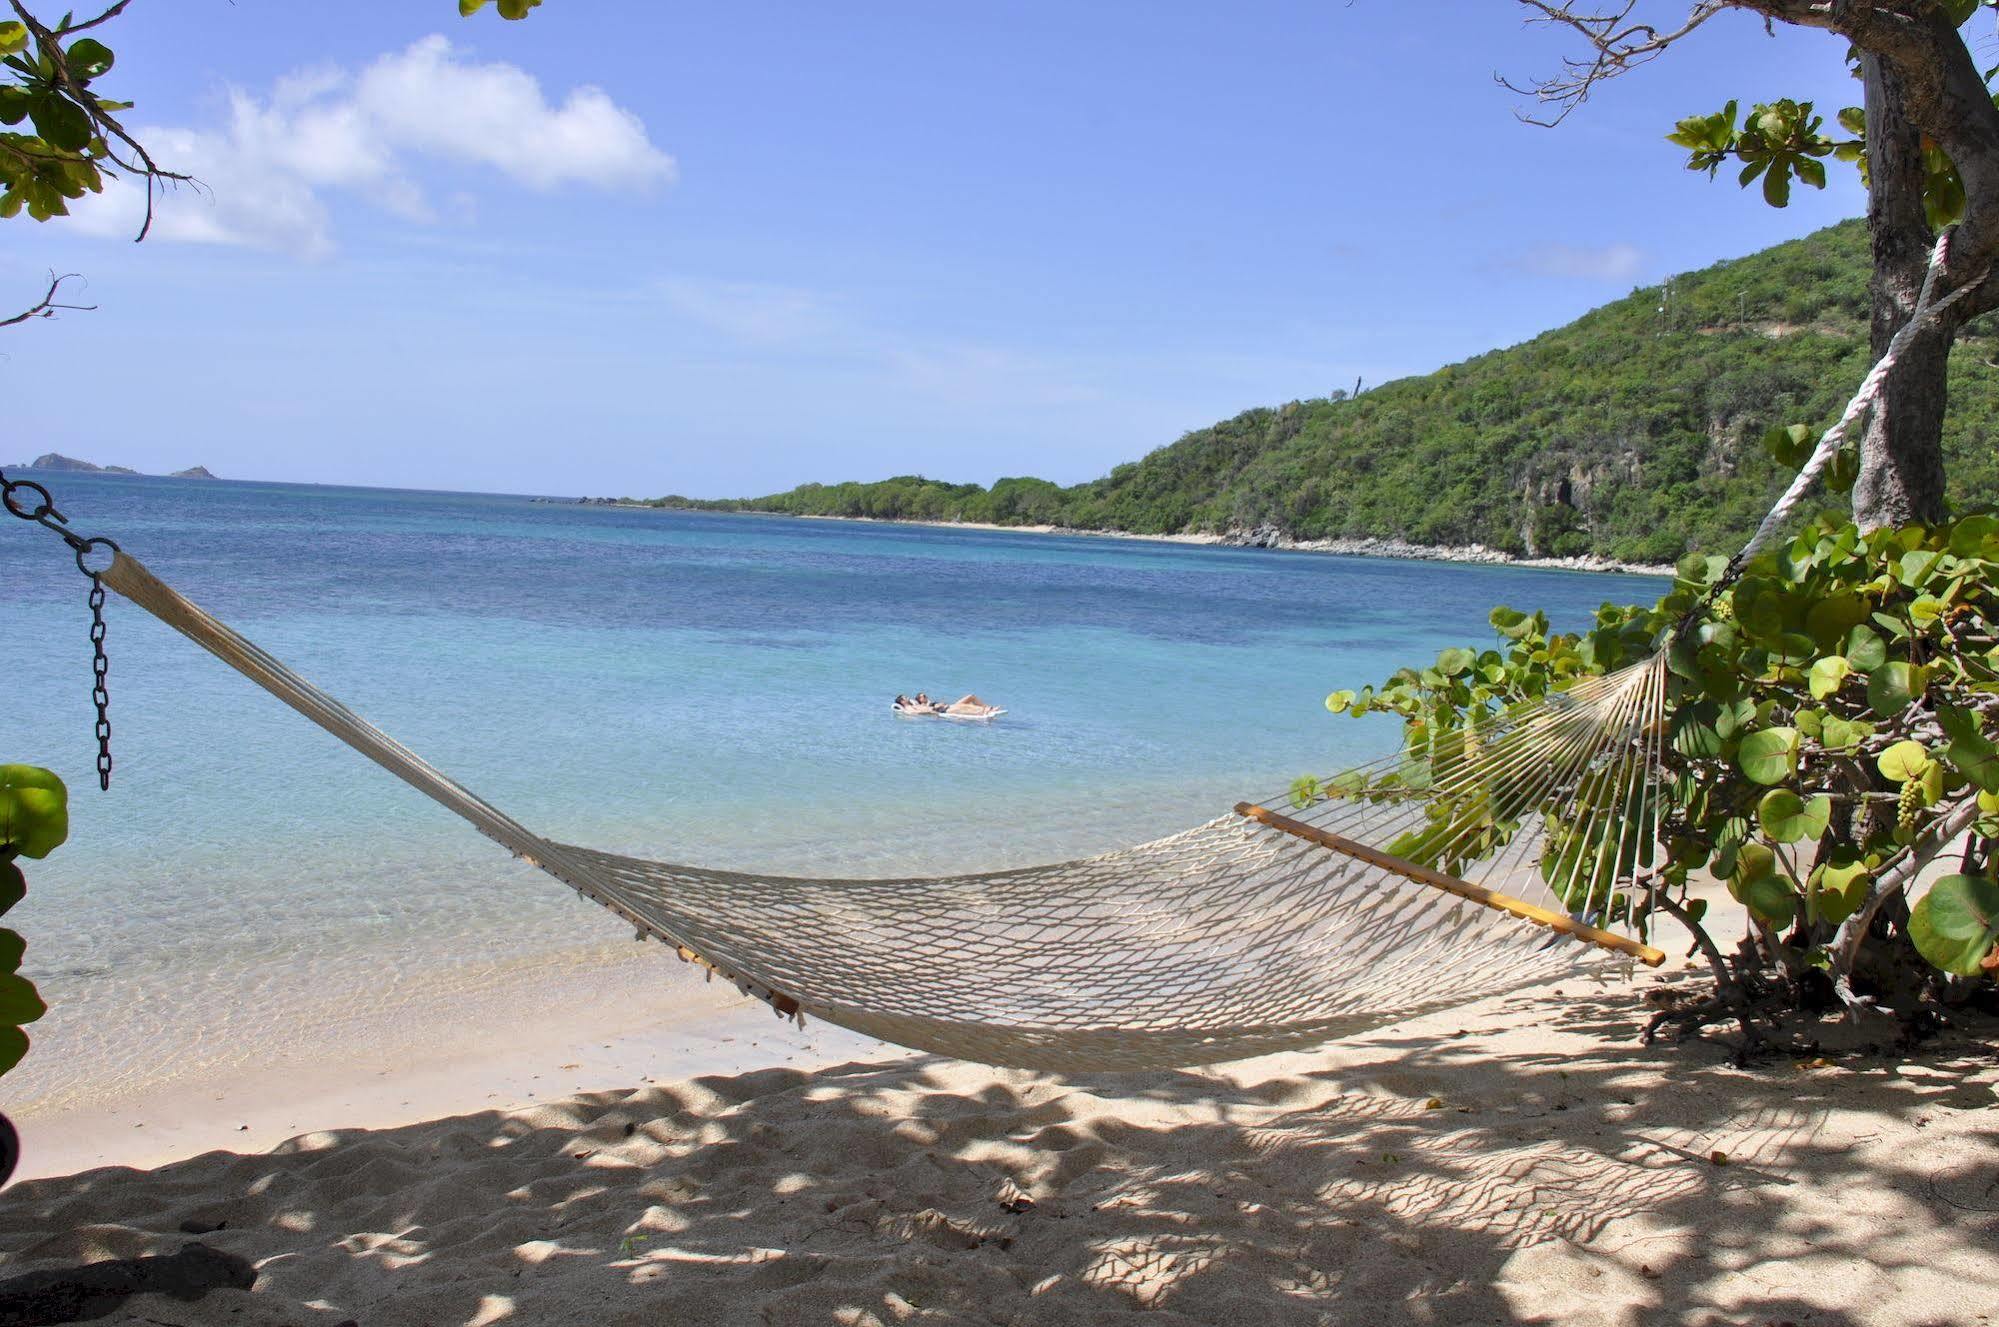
{"x":41,"y":509}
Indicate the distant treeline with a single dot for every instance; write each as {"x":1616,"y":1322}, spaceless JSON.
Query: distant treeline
{"x":1631,"y":433}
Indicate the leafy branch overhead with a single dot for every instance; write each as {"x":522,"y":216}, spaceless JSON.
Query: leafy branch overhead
{"x":507,"y":8}
{"x":1782,"y":140}
{"x":1776,"y":142}
{"x":74,"y":139}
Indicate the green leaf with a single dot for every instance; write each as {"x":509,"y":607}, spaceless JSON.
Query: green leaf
{"x":13,"y":36}
{"x":19,"y":1001}
{"x":1903,"y":762}
{"x":1839,"y":888}
{"x":88,"y":59}
{"x":1760,"y":606}
{"x":1830,"y":619}
{"x":1769,"y":755}
{"x":34,"y":810}
{"x":1339,"y":701}
{"x":1455,"y":662}
{"x":1759,"y":885}
{"x":12,"y":947}
{"x":1969,"y":750}
{"x":1838,"y":734}
{"x":1777,"y":183}
{"x":13,"y":1045}
{"x":1829,"y":675}
{"x":1865,"y":649}
{"x":1788,"y":818}
{"x":1790,"y":445}
{"x":1516,"y":625}
{"x":1956,"y":925}
{"x":1895,"y":686}
{"x":61,"y":121}
{"x":1975,"y":536}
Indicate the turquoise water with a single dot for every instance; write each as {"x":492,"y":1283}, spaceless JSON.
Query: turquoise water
{"x":685,"y":686}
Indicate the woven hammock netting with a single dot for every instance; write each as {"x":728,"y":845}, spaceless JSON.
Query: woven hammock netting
{"x":1259,"y":931}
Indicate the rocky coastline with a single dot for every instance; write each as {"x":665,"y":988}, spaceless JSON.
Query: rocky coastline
{"x":1260,"y":537}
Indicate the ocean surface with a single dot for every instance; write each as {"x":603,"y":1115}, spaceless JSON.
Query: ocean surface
{"x":684,"y":686}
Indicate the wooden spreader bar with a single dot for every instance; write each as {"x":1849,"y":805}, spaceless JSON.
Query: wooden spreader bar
{"x":1450,"y":884}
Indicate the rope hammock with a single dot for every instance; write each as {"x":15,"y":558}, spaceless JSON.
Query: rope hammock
{"x":1468,"y":864}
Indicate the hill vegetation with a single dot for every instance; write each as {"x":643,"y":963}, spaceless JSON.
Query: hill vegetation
{"x":1631,"y":433}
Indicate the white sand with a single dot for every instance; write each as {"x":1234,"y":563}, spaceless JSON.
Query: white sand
{"x":458,"y":1038}
{"x":1562,"y":1175}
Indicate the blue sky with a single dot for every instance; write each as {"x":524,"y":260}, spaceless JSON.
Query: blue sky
{"x":650,"y":247}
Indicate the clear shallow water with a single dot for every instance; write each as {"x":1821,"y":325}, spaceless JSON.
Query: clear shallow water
{"x":685,"y":686}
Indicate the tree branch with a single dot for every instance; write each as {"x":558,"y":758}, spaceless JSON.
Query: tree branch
{"x":47,"y":305}
{"x":103,"y":18}
{"x":1616,"y":46}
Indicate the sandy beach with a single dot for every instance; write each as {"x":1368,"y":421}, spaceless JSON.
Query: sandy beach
{"x":1475,"y":554}
{"x":1523,"y":1160}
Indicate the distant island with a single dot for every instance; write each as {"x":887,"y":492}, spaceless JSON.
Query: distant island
{"x":57,"y":461}
{"x":1629,"y":436}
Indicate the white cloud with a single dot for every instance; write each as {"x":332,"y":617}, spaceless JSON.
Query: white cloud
{"x":266,"y":172}
{"x":1610,"y":262}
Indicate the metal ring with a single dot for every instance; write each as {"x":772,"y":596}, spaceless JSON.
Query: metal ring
{"x":83,"y":548}
{"x":46,"y":508}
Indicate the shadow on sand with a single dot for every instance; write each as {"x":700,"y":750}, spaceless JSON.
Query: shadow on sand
{"x":1422,"y":1180}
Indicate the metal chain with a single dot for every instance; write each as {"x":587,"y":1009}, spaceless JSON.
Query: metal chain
{"x":41,"y":510}
{"x":99,"y":695}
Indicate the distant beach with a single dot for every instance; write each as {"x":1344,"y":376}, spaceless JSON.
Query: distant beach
{"x":1477,"y":554}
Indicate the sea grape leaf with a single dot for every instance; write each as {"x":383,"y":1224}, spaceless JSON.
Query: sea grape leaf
{"x":1841,"y":734}
{"x":1829,"y":675}
{"x":1769,"y":755}
{"x":1865,"y":649}
{"x":19,"y":1001}
{"x":34,"y":810}
{"x":1975,"y":536}
{"x":1759,"y":885}
{"x":1839,"y":888}
{"x":1956,"y":925}
{"x":1893,"y":687}
{"x":1969,"y":750}
{"x":13,"y":1045}
{"x":1787,"y":817}
{"x":1903,"y":762}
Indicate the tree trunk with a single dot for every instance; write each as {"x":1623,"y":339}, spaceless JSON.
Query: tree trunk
{"x":1901,"y":452}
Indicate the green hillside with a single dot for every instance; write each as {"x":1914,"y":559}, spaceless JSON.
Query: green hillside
{"x":1631,"y":433}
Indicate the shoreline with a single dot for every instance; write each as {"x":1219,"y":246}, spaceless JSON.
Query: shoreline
{"x":1395,"y":549}
{"x":608,"y":1016}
